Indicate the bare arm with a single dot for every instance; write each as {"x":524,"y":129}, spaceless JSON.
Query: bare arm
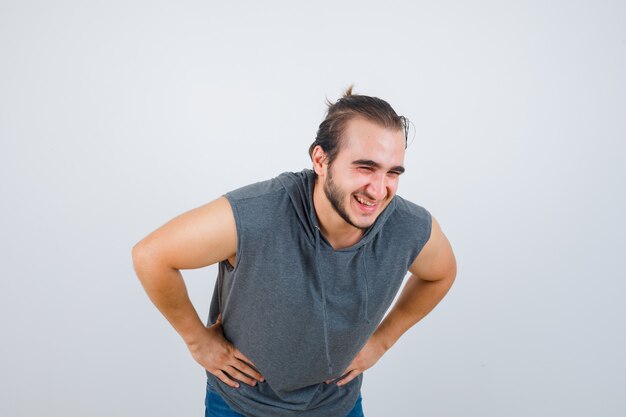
{"x":197,"y":238}
{"x":432,"y":275}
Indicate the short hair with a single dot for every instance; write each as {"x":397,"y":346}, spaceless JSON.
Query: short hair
{"x":330,"y":131}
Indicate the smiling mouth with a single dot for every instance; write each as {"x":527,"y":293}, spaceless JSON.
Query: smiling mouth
{"x":364,"y":202}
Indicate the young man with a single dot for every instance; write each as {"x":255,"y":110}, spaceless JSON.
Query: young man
{"x":309,"y":262}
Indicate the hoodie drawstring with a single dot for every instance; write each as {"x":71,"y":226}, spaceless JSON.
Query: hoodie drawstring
{"x":318,"y":274}
{"x":367,"y":289}
{"x":321,"y":281}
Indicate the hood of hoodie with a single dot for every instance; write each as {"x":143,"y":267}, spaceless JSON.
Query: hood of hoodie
{"x":299,"y":187}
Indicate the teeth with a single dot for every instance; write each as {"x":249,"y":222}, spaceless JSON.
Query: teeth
{"x":360,"y":200}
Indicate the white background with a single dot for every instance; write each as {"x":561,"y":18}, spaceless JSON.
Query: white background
{"x":116,"y":116}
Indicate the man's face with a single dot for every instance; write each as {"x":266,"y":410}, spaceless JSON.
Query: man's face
{"x":363,"y":178}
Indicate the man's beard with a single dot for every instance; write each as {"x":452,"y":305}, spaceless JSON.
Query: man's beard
{"x":336,"y":196}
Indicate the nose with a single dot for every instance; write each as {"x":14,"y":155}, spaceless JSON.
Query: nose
{"x":378,"y":186}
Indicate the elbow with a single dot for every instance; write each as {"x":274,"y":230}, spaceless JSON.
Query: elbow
{"x":450,"y":267}
{"x":146,"y":265}
{"x":137,"y":250}
{"x":137,"y":253}
{"x":451,"y":273}
{"x":148,"y":260}
{"x":453,"y":268}
{"x":142,"y":257}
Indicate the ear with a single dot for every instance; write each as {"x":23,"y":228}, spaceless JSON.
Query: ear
{"x":319,"y":161}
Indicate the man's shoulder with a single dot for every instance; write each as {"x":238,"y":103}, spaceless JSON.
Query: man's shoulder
{"x":410,"y":224}
{"x":266,"y":206}
{"x":291,"y":188}
{"x":409,"y":219}
{"x":260,"y":189}
{"x":255,"y":190}
{"x":408,"y":208}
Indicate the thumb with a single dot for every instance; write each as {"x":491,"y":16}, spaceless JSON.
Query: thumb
{"x":219,"y":319}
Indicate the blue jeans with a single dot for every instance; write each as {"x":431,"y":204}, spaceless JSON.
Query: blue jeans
{"x":216,"y":407}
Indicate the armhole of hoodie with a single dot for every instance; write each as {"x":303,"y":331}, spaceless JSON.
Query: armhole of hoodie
{"x":238,"y":226}
{"x":422,"y":241}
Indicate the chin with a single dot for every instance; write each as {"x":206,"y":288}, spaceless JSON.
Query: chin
{"x":364,"y":223}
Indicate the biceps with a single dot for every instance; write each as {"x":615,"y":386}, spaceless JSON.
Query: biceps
{"x":436,"y":260}
{"x":197,"y":238}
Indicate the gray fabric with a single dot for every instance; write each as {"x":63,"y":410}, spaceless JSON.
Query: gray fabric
{"x":299,"y":309}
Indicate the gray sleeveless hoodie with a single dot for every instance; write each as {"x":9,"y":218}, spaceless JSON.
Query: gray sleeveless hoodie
{"x":297,"y":308}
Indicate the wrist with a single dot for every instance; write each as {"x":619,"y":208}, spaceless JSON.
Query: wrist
{"x":196,"y":337}
{"x":381,"y":341}
{"x":196,"y":344}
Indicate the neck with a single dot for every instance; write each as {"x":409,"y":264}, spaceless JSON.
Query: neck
{"x":335,"y":229}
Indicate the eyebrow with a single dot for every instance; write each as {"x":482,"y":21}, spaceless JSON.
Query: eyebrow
{"x":374,"y":164}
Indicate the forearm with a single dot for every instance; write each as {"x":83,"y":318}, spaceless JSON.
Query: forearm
{"x":417,"y":299}
{"x":167,"y":291}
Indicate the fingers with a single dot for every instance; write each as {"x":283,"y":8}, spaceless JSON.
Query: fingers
{"x":231,"y":365}
{"x":233,"y":370}
{"x":239,"y":355}
{"x":225,"y":379}
{"x":351,"y":375}
{"x":245,"y":367}
{"x":230,"y":374}
{"x":351,"y":366}
{"x":235,"y":373}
